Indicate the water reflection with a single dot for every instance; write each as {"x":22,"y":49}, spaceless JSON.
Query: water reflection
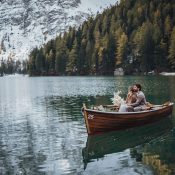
{"x":43,"y":132}
{"x":99,"y":146}
{"x":17,"y":150}
{"x":160,"y":154}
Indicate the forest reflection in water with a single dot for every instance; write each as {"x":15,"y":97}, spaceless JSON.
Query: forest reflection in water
{"x":137,"y":140}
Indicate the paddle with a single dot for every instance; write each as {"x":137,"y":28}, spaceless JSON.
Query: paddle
{"x":111,"y":106}
{"x":162,"y":105}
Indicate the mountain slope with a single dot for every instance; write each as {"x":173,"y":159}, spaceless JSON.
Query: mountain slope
{"x":137,"y":35}
{"x":25,"y":24}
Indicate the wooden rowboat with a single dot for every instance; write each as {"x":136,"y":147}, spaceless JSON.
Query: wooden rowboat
{"x":109,"y":120}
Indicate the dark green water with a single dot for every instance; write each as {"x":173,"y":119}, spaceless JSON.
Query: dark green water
{"x":42,"y":130}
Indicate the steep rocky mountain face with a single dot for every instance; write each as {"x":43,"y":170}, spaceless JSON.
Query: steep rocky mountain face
{"x":25,"y":24}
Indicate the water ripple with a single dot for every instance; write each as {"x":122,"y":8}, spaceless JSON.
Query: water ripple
{"x":42,"y":129}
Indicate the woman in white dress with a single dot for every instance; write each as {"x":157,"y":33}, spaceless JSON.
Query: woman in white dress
{"x":131,"y":98}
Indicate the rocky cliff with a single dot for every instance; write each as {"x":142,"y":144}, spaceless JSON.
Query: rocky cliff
{"x":25,"y":24}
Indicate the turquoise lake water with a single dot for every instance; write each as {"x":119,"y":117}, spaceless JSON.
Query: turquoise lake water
{"x":42,"y":130}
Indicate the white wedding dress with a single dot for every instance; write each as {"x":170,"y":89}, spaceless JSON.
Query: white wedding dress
{"x":123,"y":107}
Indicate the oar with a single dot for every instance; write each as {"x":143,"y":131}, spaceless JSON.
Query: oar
{"x":110,"y":106}
{"x":162,"y":105}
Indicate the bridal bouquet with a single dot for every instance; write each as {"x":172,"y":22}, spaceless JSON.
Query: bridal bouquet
{"x":117,"y":99}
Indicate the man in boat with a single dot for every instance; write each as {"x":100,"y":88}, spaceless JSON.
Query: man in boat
{"x":140,"y":103}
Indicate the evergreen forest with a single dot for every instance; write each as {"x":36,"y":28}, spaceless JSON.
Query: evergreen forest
{"x":136,"y":35}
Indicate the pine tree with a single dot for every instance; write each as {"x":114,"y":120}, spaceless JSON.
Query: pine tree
{"x":171,"y":55}
{"x":160,"y":53}
{"x":144,"y":47}
{"x":40,"y":61}
{"x":121,"y":51}
{"x":51,"y":61}
{"x":113,"y":26}
{"x":61,"y":58}
{"x":167,"y":26}
{"x":82,"y":64}
{"x":71,"y":67}
{"x":84,"y":30}
{"x":105,"y":25}
{"x":32,"y":57}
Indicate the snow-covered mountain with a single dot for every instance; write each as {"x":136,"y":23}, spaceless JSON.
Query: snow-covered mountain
{"x":25,"y":24}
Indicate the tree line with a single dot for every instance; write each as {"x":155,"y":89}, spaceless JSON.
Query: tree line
{"x":10,"y":66}
{"x":137,"y":35}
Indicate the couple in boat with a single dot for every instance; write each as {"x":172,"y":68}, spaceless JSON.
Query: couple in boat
{"x":135,"y":100}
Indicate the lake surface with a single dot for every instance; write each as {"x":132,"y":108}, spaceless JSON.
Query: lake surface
{"x":42,"y":130}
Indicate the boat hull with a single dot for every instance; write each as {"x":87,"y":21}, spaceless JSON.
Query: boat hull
{"x":100,"y":122}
